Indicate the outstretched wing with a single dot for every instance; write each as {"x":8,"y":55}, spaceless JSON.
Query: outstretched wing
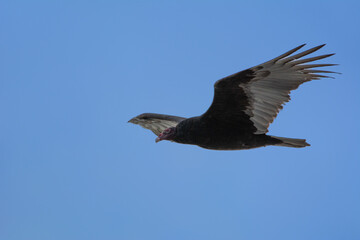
{"x":254,"y":97}
{"x":157,"y":123}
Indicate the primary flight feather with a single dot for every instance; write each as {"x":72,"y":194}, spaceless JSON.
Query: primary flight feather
{"x":243,"y":107}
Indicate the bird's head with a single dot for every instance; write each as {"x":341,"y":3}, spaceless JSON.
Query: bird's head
{"x":167,"y":134}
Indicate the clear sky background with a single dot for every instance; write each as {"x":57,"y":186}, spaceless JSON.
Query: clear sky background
{"x":74,"y":72}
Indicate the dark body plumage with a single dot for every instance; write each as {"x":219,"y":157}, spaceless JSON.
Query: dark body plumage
{"x":243,"y":107}
{"x":209,"y":134}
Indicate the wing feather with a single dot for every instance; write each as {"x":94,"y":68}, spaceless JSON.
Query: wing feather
{"x":157,"y":123}
{"x":300,"y":55}
{"x":269,"y":93}
{"x":254,"y":97}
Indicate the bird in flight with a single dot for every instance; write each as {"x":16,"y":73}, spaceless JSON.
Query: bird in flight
{"x":243,"y":107}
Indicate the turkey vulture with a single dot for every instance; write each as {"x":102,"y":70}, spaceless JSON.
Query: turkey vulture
{"x":243,"y":107}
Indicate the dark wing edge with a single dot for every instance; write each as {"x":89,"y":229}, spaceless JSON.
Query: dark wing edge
{"x":230,"y":102}
{"x":157,"y":123}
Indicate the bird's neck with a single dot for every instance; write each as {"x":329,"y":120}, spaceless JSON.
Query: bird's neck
{"x":189,"y":131}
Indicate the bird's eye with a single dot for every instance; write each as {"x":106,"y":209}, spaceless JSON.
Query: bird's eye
{"x":168,"y":130}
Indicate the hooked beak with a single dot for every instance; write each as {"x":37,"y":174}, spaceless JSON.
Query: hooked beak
{"x":158,"y":139}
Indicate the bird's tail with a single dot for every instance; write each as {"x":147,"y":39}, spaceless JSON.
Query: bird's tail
{"x":291,"y":142}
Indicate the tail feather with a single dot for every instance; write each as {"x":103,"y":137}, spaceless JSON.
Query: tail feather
{"x":291,"y":142}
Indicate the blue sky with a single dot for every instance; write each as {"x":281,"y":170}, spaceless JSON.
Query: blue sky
{"x":74,"y":72}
